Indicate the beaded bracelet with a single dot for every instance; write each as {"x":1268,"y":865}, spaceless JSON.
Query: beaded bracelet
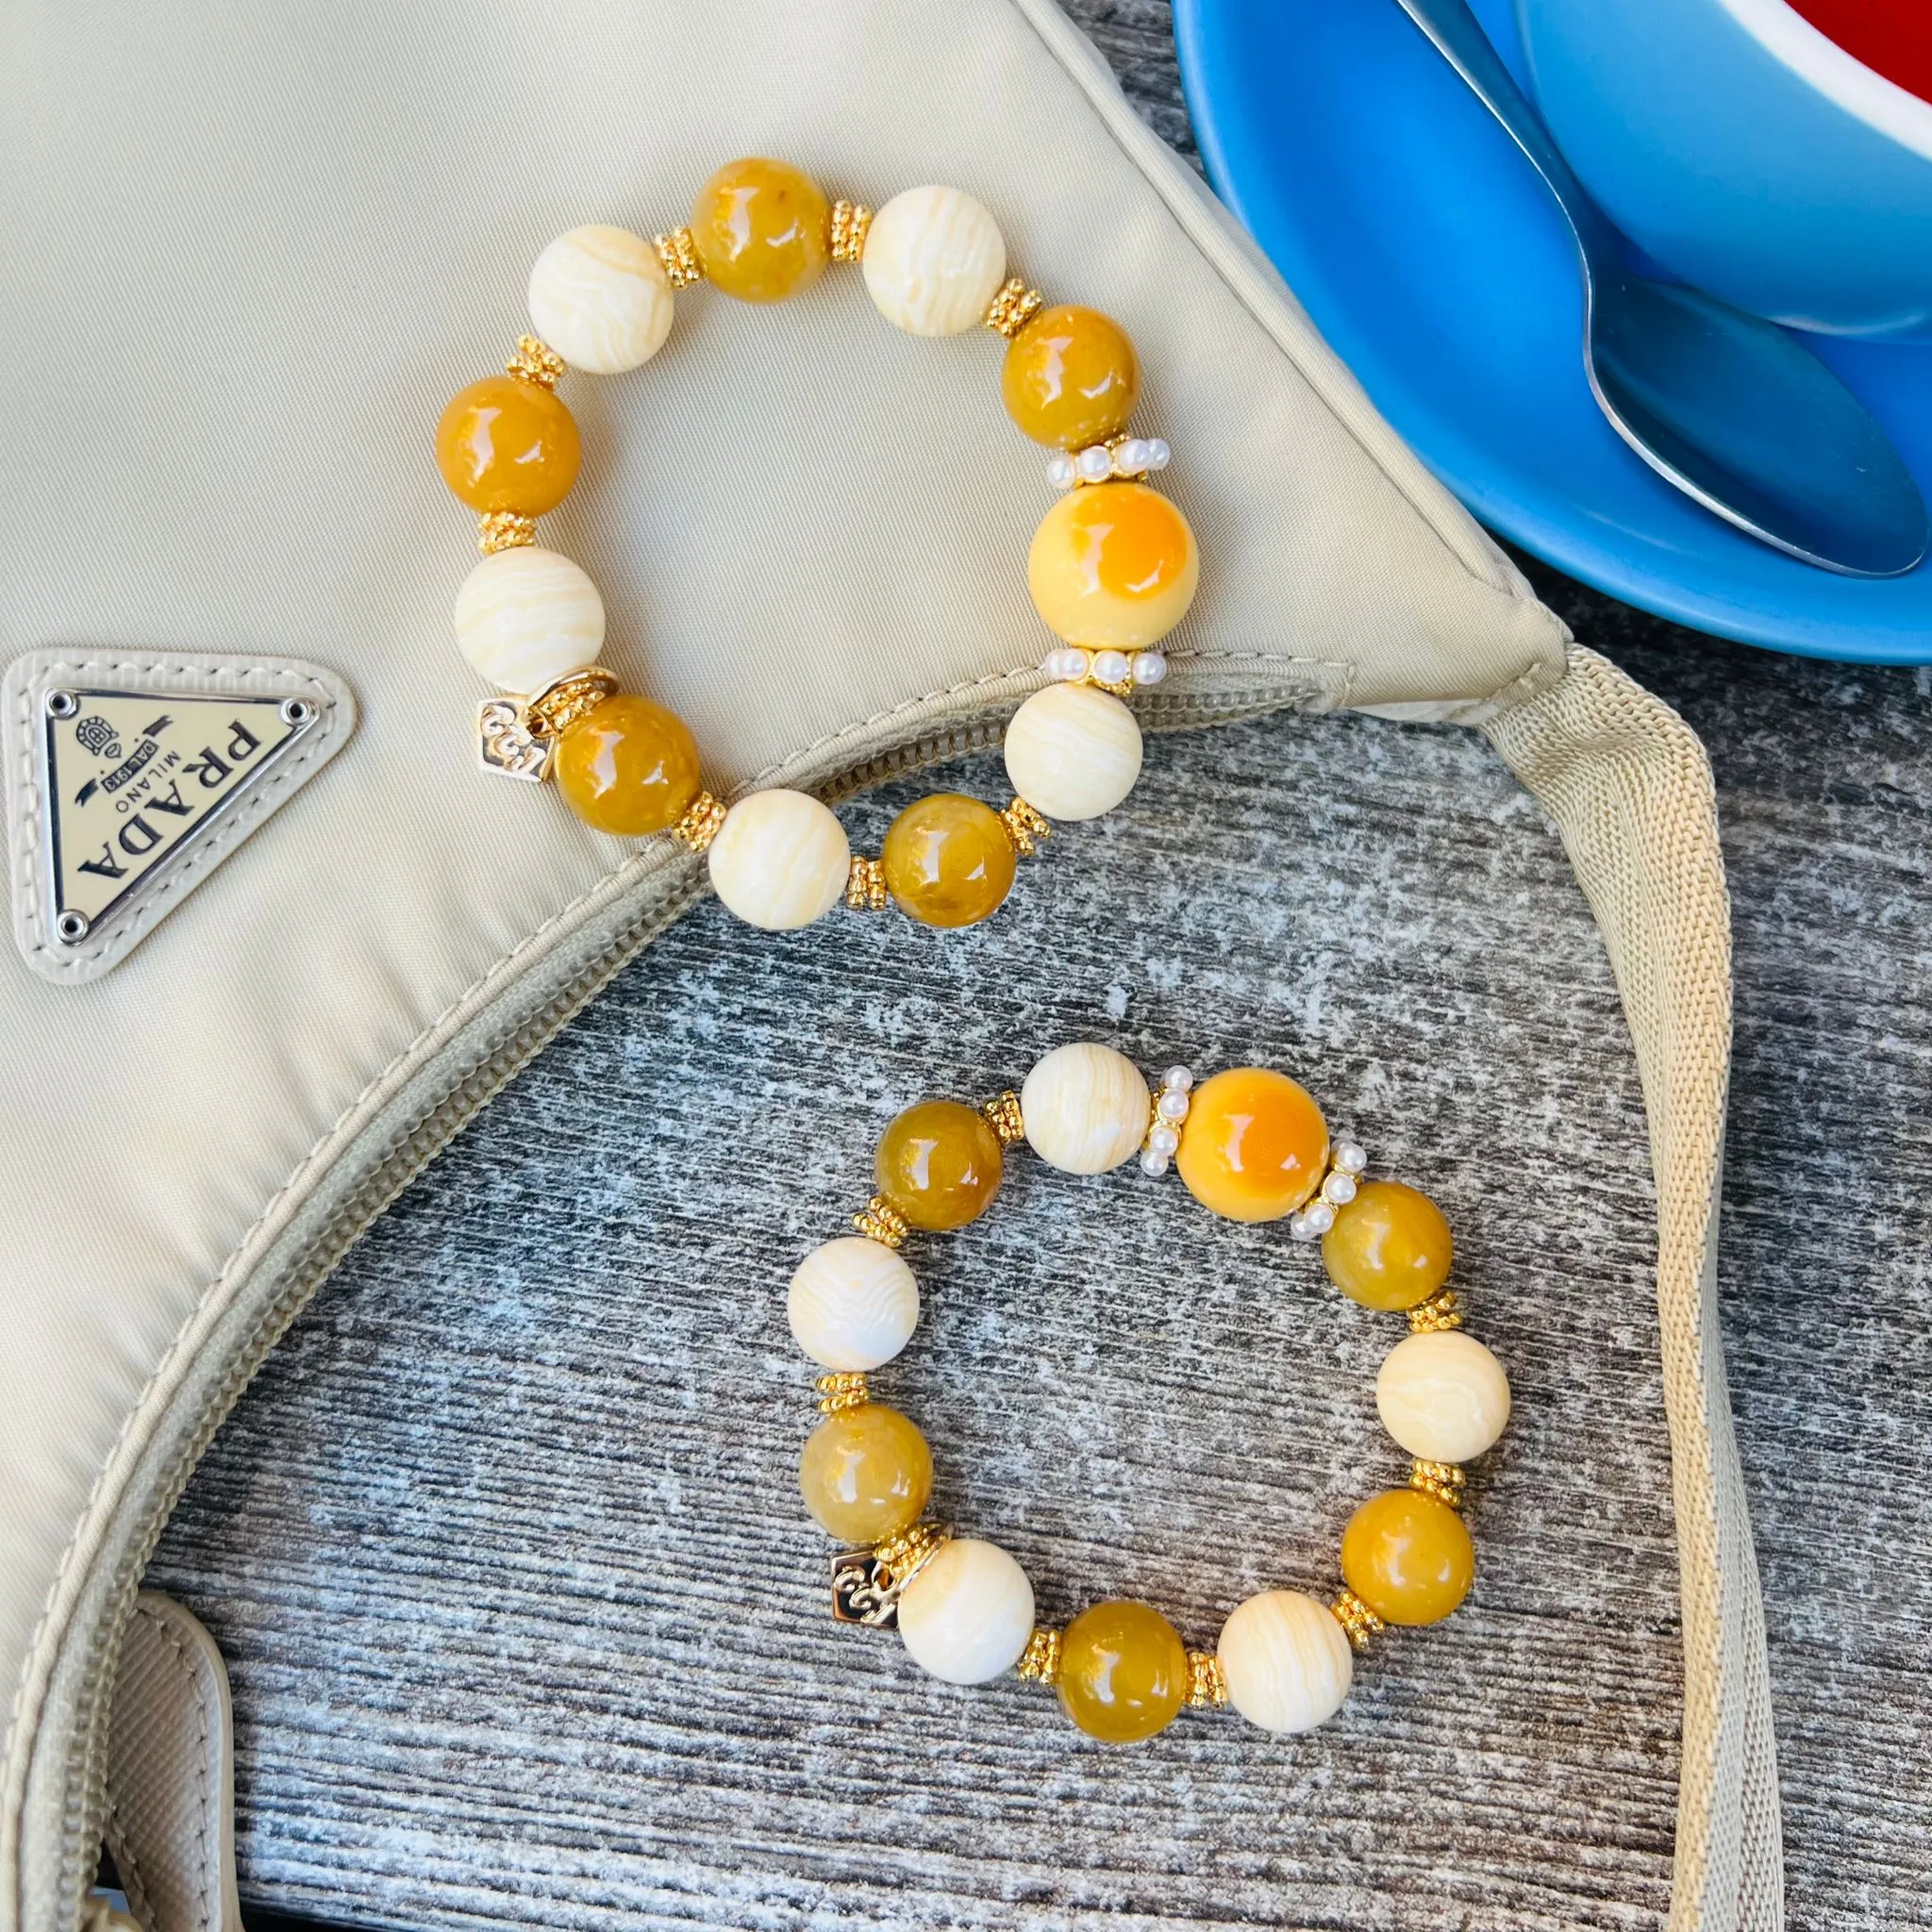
{"x":1112,"y":566}
{"x":1251,"y":1145}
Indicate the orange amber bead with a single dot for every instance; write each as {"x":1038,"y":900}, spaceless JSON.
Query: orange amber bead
{"x":1124,"y":1672}
{"x":762,"y":229}
{"x":1071,"y":377}
{"x":948,"y":860}
{"x":865,"y":1474}
{"x":1254,"y":1144}
{"x":940,"y":1165}
{"x":1113,"y":567}
{"x":629,"y":767}
{"x":507,"y":445}
{"x":1407,"y":1557}
{"x":1390,"y":1247}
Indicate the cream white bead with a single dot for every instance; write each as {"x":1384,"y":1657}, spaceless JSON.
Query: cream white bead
{"x":934,"y":259}
{"x":853,"y":1305}
{"x":967,"y":1614}
{"x":780,"y":859}
{"x":1086,"y":1108}
{"x":1072,"y":752}
{"x":1286,"y":1662}
{"x":526,"y":616}
{"x":1443,"y":1397}
{"x":600,"y":297}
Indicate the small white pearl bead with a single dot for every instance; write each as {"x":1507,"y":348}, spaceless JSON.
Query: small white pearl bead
{"x":1152,"y":1163}
{"x":1060,"y":472}
{"x":1150,"y":667}
{"x":968,"y":1612}
{"x":1112,"y":667}
{"x":1298,"y":1226}
{"x":1318,"y":1216}
{"x":1349,"y":1158}
{"x":1085,"y":1106}
{"x":1339,"y":1188}
{"x":1177,"y":1080}
{"x":1096,"y":463}
{"x":1130,"y":457}
{"x":1164,"y":1141}
{"x":1076,"y":663}
{"x":1157,"y":454}
{"x":1173,"y":1105}
{"x":1285,"y":1659}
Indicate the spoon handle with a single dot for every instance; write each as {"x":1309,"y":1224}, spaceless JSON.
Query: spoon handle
{"x":1461,"y":42}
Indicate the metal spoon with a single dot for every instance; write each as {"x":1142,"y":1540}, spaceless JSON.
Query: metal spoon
{"x":1735,"y":412}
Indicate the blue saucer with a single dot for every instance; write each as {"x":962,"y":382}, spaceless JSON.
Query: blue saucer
{"x":1438,"y":267}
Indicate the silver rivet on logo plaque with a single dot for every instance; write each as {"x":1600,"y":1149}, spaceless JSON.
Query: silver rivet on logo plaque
{"x":71,"y":927}
{"x":61,"y":703}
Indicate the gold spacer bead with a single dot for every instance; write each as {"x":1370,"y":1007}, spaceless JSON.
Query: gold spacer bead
{"x":1206,"y":1687}
{"x":505,"y":530}
{"x":1443,"y":1310}
{"x":1024,"y":826}
{"x":1001,"y":1114}
{"x":700,"y":825}
{"x":879,"y":1220}
{"x":900,"y":1558}
{"x":679,"y":254}
{"x":1039,"y":1662}
{"x":536,"y":361}
{"x":1442,"y":1480}
{"x":865,"y":886}
{"x":565,"y":699}
{"x":840,"y":1393}
{"x":1013,"y":307}
{"x":851,"y":224}
{"x":1356,"y":1617}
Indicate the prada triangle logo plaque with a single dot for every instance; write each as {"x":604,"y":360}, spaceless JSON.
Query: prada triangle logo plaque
{"x":140,"y":773}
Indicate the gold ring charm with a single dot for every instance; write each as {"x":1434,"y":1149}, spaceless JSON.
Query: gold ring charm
{"x":1112,"y":566}
{"x":1250,"y":1144}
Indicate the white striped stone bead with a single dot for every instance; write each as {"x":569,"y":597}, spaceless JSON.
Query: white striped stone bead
{"x":934,"y":259}
{"x":600,"y":297}
{"x":853,"y":1305}
{"x":1087,"y":1109}
{"x":967,"y":1614}
{"x":1286,"y":1662}
{"x":1443,"y":1396}
{"x":780,"y":859}
{"x":1072,"y":752}
{"x":526,"y":616}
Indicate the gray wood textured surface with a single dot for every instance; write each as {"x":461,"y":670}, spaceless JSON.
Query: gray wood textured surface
{"x":525,"y":1622}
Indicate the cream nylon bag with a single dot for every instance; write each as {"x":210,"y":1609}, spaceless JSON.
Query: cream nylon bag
{"x":248,"y":253}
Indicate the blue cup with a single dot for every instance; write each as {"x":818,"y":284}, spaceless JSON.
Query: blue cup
{"x":1746,"y":153}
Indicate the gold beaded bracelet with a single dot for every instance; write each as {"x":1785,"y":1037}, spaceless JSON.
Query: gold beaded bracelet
{"x":1251,"y":1145}
{"x":1112,"y":566}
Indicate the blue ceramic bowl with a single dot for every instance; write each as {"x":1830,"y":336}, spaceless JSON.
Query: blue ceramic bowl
{"x":1746,"y":153}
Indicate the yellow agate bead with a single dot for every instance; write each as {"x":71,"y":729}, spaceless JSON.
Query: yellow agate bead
{"x":1071,"y":377}
{"x":1390,"y":1247}
{"x":1113,"y":567}
{"x":505,"y":446}
{"x":948,"y":860}
{"x":866,"y":1473}
{"x":762,"y":229}
{"x":1407,"y":1557}
{"x":1254,"y":1144}
{"x":1124,"y":1672}
{"x":940,"y":1165}
{"x":629,"y":767}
